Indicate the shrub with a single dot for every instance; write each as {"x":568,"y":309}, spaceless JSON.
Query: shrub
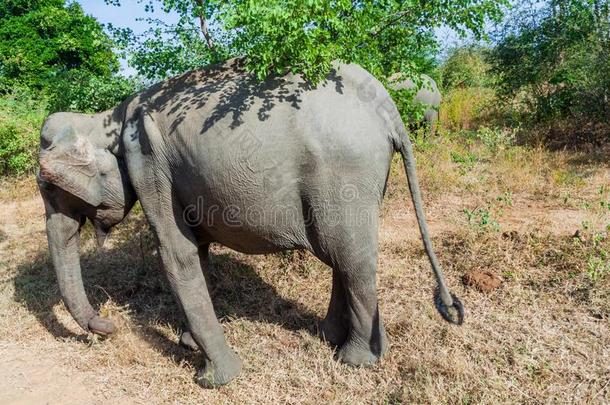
{"x":82,"y":92}
{"x":21,"y":117}
{"x":553,"y":66}
{"x":496,"y":139}
{"x":467,"y":108}
{"x":466,"y":67}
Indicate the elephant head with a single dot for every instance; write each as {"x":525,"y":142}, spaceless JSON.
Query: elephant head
{"x":82,"y":175}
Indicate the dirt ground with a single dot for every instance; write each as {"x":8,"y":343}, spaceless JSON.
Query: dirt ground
{"x":541,"y":336}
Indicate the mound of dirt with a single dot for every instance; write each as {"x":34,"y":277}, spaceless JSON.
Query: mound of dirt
{"x":484,"y":281}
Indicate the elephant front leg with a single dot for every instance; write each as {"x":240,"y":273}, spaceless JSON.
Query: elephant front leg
{"x":186,"y":339}
{"x":221,"y":362}
{"x":183,"y":266}
{"x":335,"y":326}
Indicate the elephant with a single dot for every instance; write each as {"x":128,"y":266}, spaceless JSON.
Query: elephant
{"x":218,"y":156}
{"x":427,"y":94}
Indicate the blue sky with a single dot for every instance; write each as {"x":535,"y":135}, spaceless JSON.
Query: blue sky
{"x":124,"y":16}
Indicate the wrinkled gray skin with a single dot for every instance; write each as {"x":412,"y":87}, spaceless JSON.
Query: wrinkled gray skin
{"x":214,"y":156}
{"x":428,"y":94}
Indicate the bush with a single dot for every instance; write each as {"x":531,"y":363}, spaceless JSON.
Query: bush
{"x":553,"y":67}
{"x":496,"y":139}
{"x":466,"y":67}
{"x":79,"y":91}
{"x":21,"y":116}
{"x":467,"y":108}
{"x":42,"y":39}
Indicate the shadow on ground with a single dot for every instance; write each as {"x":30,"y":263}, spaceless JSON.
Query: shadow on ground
{"x":129,"y":274}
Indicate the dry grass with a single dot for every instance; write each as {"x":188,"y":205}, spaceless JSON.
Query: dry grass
{"x":542,"y":337}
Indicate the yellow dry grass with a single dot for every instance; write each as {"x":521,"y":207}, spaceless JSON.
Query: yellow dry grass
{"x":542,"y":337}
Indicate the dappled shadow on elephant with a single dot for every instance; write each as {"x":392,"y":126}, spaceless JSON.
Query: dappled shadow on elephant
{"x":129,"y":274}
{"x":231,"y":91}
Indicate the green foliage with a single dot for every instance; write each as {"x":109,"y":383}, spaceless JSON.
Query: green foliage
{"x":384,"y":37}
{"x":277,"y":36}
{"x":469,"y":100}
{"x":166,"y":50}
{"x":466,"y":67}
{"x":597,"y":251}
{"x":40,"y":40}
{"x":21,"y":7}
{"x":496,"y":139}
{"x":554,"y":63}
{"x":467,"y":108}
{"x":604,"y":201}
{"x":466,"y":160}
{"x":482,"y":219}
{"x":21,"y":117}
{"x":410,"y":111}
{"x":83,"y":92}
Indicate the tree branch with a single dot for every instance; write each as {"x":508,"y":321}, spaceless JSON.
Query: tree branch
{"x":204,"y":26}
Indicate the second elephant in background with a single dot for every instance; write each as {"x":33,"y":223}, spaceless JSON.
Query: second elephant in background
{"x":428,"y":94}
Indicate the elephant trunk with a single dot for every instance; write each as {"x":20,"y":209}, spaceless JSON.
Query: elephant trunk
{"x":63,"y":233}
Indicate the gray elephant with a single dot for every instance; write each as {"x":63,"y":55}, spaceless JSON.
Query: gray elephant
{"x":427,"y":94}
{"x":216,"y":156}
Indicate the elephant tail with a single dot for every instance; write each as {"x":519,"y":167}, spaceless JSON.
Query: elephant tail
{"x":448,"y":305}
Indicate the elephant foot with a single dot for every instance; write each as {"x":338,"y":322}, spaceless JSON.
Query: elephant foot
{"x":216,"y":374}
{"x":187,"y":341}
{"x":332,"y":331}
{"x":362,"y":354}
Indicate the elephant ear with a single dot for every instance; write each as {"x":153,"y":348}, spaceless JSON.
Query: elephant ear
{"x":70,"y":163}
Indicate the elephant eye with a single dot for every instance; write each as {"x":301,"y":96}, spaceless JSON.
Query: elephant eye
{"x":44,"y":143}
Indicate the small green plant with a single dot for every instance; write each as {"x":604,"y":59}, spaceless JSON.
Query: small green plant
{"x":604,"y":201}
{"x":598,"y":266}
{"x":596,"y":250}
{"x":466,"y":160}
{"x":568,"y":178}
{"x":482,"y":219}
{"x":598,"y":262}
{"x":506,"y":199}
{"x":496,"y":139}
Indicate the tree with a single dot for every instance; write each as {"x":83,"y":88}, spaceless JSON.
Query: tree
{"x":556,"y":60}
{"x":466,"y":67}
{"x":20,"y":7}
{"x":165,"y":50}
{"x":42,"y":40}
{"x":276,"y":36}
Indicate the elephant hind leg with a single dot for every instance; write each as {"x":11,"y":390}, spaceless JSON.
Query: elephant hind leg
{"x":366,"y":340}
{"x":353,"y":321}
{"x":335,"y":326}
